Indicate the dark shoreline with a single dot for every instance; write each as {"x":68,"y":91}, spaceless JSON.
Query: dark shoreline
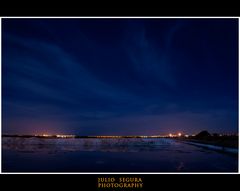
{"x":230,"y":142}
{"x":76,"y":136}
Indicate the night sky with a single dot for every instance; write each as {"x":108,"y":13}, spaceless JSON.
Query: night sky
{"x":119,"y":76}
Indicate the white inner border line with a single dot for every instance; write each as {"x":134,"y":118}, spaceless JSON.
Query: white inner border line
{"x":115,"y":17}
{"x":1,"y":96}
{"x":238,"y":94}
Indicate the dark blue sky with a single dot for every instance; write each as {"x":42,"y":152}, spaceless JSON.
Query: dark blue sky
{"x":119,"y":76}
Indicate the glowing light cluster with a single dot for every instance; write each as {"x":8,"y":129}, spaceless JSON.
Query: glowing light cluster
{"x":46,"y":135}
{"x":65,"y":136}
{"x":175,"y":135}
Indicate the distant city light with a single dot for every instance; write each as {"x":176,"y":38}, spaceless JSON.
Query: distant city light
{"x":46,"y":135}
{"x":65,"y":136}
{"x":179,"y":134}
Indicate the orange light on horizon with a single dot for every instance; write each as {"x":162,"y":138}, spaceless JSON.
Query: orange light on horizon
{"x":46,"y":135}
{"x":65,"y":136}
{"x":179,"y":134}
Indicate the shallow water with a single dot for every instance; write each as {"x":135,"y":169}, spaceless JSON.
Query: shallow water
{"x":111,"y":155}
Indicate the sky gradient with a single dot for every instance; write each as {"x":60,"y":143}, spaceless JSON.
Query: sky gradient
{"x":119,"y":76}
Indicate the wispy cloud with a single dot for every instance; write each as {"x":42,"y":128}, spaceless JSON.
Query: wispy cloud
{"x":56,"y":66}
{"x":150,"y":61}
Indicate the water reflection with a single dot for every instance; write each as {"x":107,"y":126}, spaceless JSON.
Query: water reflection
{"x":88,"y":144}
{"x":111,"y":155}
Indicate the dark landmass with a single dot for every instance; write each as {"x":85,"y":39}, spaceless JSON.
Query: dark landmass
{"x":205,"y":137}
